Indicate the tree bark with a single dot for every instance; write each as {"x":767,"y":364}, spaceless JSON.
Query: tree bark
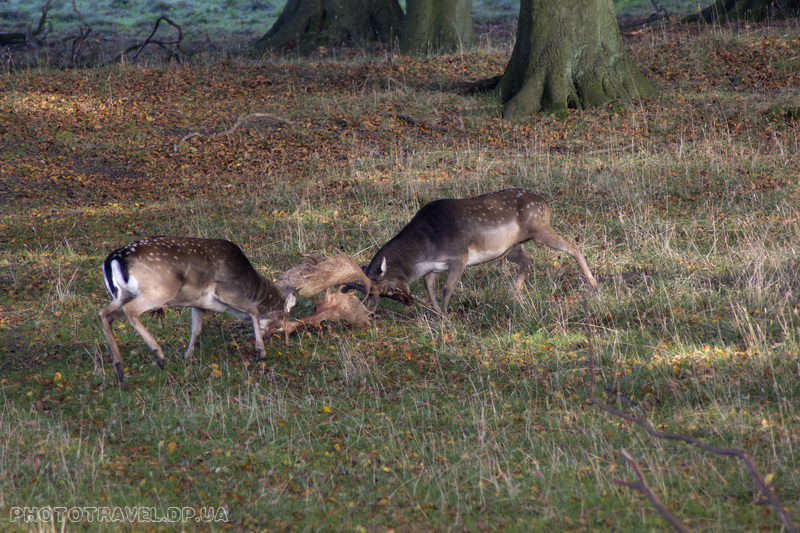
{"x":568,"y":54}
{"x":306,"y":25}
{"x":437,"y":26}
{"x":749,"y":10}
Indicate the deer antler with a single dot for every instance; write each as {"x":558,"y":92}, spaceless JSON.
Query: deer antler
{"x":317,"y":275}
{"x":333,"y":307}
{"x":309,"y":279}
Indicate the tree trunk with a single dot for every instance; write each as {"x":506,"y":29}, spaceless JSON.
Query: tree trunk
{"x":308,"y":24}
{"x":437,"y":26}
{"x":749,"y":10}
{"x":568,"y":54}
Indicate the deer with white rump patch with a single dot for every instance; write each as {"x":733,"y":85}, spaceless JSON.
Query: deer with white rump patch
{"x":204,"y":274}
{"x":449,"y":235}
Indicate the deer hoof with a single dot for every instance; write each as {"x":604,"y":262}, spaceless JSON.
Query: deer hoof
{"x":160,"y":363}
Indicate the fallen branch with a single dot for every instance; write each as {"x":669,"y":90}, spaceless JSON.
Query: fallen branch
{"x":762,"y":487}
{"x":420,"y":123}
{"x":13,"y":38}
{"x":642,"y":487}
{"x":30,"y":34}
{"x":241,"y":121}
{"x":163,"y":45}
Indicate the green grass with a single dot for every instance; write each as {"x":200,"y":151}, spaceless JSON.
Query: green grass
{"x":685,"y":205}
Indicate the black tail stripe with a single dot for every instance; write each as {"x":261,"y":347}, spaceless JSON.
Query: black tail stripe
{"x":109,"y":277}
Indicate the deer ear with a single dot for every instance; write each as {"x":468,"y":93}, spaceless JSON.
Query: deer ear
{"x":290,"y":301}
{"x":383,"y":266}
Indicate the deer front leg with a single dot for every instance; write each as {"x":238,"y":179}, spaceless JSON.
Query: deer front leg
{"x":107,"y":317}
{"x":260,"y":349}
{"x":455,"y":269}
{"x":430,"y":280}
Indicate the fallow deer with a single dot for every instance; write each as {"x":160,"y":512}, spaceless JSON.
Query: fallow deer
{"x":204,"y":274}
{"x":449,"y":235}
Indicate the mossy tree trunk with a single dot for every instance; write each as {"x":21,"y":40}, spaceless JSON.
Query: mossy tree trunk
{"x":437,"y":26}
{"x":568,"y":54}
{"x":306,"y":25}
{"x":750,"y":10}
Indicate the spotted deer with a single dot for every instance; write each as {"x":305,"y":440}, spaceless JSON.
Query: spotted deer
{"x":449,"y":235}
{"x":204,"y":274}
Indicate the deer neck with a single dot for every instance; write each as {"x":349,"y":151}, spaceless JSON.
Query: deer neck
{"x":408,"y":255}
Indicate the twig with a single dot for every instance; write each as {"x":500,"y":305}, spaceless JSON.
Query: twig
{"x":642,"y":487}
{"x":155,"y":29}
{"x":727,"y":452}
{"x":242,"y":120}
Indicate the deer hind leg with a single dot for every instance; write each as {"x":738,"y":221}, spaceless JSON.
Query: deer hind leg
{"x":430,"y":279}
{"x":550,"y":238}
{"x":524,"y":260}
{"x":107,"y":316}
{"x":197,"y":327}
{"x":141,"y":304}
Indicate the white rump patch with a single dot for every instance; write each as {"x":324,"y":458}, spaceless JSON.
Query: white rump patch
{"x":131,"y":286}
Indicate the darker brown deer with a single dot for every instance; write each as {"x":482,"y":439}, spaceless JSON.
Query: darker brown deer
{"x":449,"y":235}
{"x":204,"y":274}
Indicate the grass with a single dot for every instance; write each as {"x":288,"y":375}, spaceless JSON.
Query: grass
{"x":686,"y":206}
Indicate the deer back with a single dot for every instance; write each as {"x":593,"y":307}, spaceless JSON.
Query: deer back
{"x":477,"y":229}
{"x":189,"y":267}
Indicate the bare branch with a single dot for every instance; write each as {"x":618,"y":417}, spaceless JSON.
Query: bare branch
{"x":155,"y":29}
{"x":86,"y":29}
{"x":642,"y":487}
{"x":762,"y":487}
